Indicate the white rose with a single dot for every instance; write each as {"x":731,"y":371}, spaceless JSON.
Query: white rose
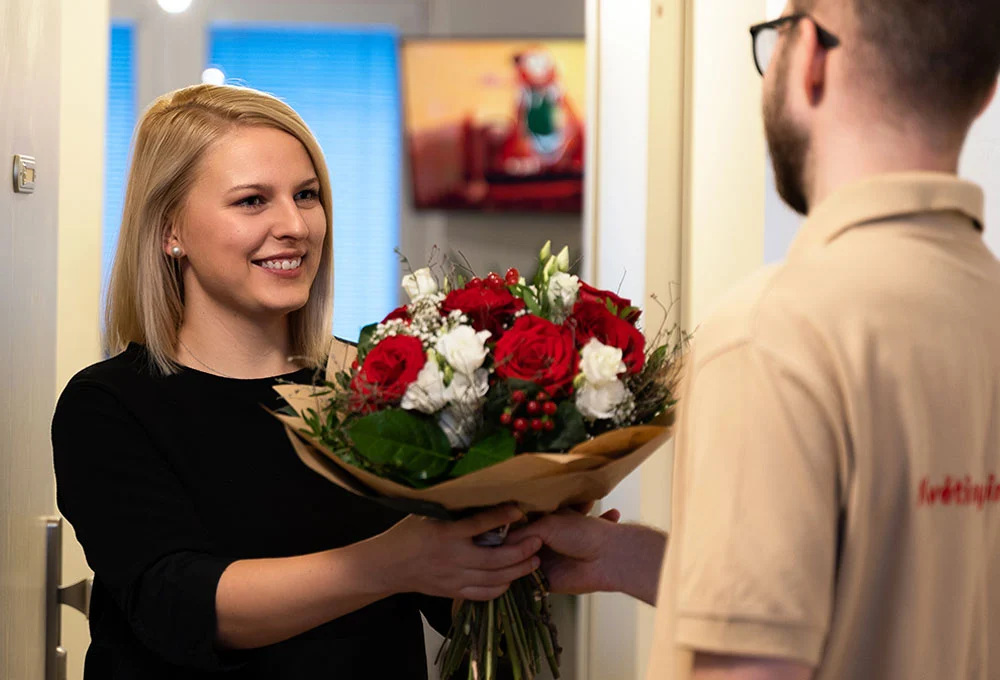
{"x":420,"y":283}
{"x":464,"y":348}
{"x":427,"y":394}
{"x":600,"y":363}
{"x":459,"y":425}
{"x":599,"y":401}
{"x":563,"y":290}
{"x":468,"y":391}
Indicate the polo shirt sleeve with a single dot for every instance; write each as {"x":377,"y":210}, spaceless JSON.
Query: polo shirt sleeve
{"x":757,"y":556}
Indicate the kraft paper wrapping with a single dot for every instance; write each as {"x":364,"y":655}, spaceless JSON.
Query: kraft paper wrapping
{"x":537,"y":482}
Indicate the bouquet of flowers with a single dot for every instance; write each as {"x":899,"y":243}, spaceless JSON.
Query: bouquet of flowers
{"x":485,"y":391}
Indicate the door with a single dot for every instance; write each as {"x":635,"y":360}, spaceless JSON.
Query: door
{"x":29,"y":125}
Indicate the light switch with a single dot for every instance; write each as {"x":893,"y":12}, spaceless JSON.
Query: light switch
{"x":24,"y":174}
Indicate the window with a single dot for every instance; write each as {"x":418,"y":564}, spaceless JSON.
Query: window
{"x":120,"y":121}
{"x":344,"y":83}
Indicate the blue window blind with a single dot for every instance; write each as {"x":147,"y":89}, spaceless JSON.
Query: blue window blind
{"x":344,"y":83}
{"x":120,"y":121}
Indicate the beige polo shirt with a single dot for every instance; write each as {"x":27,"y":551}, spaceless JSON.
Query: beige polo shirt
{"x":837,"y":475}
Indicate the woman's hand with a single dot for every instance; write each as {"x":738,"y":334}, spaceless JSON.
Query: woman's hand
{"x":439,"y":558}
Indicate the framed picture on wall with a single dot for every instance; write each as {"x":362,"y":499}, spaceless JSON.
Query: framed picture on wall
{"x":495,"y":124}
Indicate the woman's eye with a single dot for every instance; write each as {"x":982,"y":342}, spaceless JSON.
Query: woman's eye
{"x":307,"y":195}
{"x":251,"y":201}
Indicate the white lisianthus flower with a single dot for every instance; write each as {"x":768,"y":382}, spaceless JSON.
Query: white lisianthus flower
{"x":600,"y":401}
{"x":459,"y":425}
{"x":550,"y":268}
{"x":420,"y":283}
{"x":468,"y":391}
{"x":464,"y":349}
{"x":545,"y":252}
{"x":427,"y":393}
{"x":562,"y":259}
{"x":601,"y":364}
{"x":562,"y":291}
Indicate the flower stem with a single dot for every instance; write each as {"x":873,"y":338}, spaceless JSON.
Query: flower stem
{"x":490,"y":641}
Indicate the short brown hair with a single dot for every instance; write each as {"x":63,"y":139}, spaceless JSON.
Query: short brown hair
{"x":938,"y":58}
{"x":145,"y":300}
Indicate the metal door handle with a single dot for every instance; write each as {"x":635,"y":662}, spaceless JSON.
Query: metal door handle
{"x":76,"y":596}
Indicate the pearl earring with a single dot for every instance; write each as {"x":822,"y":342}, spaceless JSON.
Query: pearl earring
{"x":176,"y":251}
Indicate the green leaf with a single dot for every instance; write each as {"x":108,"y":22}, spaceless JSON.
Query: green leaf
{"x":414,"y":447}
{"x":531,"y":302}
{"x":628,"y":311}
{"x":491,"y":450}
{"x":659,"y":355}
{"x":365,"y":339}
{"x":570,"y":429}
{"x":612,"y":307}
{"x":287,"y":410}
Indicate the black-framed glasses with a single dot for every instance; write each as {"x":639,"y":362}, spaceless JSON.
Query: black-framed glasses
{"x":765,"y":38}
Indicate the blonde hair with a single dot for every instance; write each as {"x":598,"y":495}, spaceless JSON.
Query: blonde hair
{"x":145,"y":302}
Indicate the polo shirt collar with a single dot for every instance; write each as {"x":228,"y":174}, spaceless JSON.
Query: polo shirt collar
{"x":887,"y":197}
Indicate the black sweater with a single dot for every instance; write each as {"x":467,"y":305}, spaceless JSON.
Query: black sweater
{"x":169,"y":479}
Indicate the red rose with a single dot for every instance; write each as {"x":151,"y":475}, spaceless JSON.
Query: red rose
{"x":590,"y":294}
{"x":389,"y":368}
{"x":538,"y":351}
{"x":593,"y":320}
{"x":398,"y":313}
{"x":489,"y":307}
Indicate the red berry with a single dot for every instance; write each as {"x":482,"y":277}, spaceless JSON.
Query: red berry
{"x":520,"y":424}
{"x":549,"y":426}
{"x":475,"y":281}
{"x":495,"y":281}
{"x":518,"y":396}
{"x":534,"y":408}
{"x":543,"y":396}
{"x":506,"y":418}
{"x":513,"y":277}
{"x":518,"y":437}
{"x":536,"y":424}
{"x":550,"y":408}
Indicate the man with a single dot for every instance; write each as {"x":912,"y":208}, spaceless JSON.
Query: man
{"x":837,"y":474}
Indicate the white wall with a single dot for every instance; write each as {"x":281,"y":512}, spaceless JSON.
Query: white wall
{"x":618,"y":263}
{"x":724,"y":238}
{"x":981,"y":163}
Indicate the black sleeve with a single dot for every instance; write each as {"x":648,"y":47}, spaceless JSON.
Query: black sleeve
{"x":137,"y":526}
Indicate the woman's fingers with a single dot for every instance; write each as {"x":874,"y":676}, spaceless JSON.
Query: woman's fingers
{"x":481,"y":593}
{"x":503,"y":556}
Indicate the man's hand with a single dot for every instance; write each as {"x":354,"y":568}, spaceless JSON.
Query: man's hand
{"x":595,"y":554}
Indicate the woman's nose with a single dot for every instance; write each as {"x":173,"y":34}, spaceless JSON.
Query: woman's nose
{"x":289,"y":222}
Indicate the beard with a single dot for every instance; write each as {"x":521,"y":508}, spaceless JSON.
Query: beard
{"x":787,"y":143}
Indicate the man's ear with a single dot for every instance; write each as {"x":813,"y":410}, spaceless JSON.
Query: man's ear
{"x":812,"y":56}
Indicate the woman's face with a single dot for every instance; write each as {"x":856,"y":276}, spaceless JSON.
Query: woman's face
{"x":252,"y":227}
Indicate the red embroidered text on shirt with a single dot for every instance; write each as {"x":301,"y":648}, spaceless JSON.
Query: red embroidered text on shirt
{"x":959,"y":491}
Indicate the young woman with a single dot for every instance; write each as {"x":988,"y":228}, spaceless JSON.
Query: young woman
{"x":216,"y":552}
